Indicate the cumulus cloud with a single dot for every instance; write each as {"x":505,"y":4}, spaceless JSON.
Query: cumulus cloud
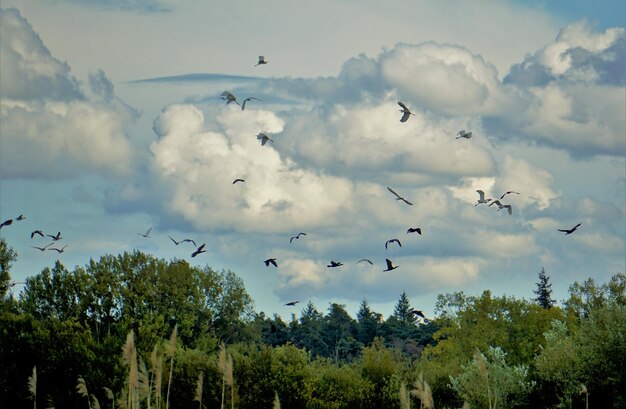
{"x":49,"y":127}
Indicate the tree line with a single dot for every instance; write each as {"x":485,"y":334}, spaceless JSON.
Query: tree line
{"x":65,"y":342}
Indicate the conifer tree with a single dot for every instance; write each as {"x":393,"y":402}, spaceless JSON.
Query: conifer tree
{"x":402,"y":310}
{"x":544,"y":291}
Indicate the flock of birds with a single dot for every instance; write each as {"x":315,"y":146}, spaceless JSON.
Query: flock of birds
{"x":229,"y":98}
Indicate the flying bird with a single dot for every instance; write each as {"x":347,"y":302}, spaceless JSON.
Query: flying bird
{"x":417,"y":313}
{"x":392,"y":241}
{"x":296,"y":237}
{"x":243,"y":105}
{"x":463,"y":134}
{"x":183,"y":241}
{"x":390,"y":265}
{"x":508,"y":193}
{"x":56,"y":237}
{"x":42,"y":248}
{"x":482,"y":199}
{"x":570,"y":231}
{"x":398,"y":197}
{"x":292,"y":303}
{"x":271,"y":261}
{"x":414,"y":230}
{"x":6,"y":223}
{"x":501,"y":206}
{"x":20,"y":217}
{"x":58,"y":250}
{"x":406,"y":113}
{"x":335,"y":264}
{"x":262,"y":61}
{"x":228,"y":97}
{"x":199,"y":250}
{"x":263,"y":138}
{"x":238,"y":180}
{"x":146,"y":234}
{"x":366,"y":260}
{"x":39,"y":232}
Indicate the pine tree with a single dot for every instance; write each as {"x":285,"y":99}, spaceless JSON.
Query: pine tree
{"x":544,"y":291}
{"x":402,"y":310}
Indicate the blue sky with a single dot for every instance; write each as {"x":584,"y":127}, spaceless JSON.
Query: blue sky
{"x":111,"y":123}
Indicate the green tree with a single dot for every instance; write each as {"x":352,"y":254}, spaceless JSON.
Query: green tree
{"x":544,"y":291}
{"x":339,"y":333}
{"x":368,"y":323}
{"x":309,"y":332}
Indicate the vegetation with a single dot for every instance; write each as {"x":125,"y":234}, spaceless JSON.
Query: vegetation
{"x":135,"y":331}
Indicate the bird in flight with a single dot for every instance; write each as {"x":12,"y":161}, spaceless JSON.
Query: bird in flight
{"x":390,"y":265}
{"x":183,"y":241}
{"x":481,"y":199}
{"x":570,"y":231}
{"x":406,"y":113}
{"x":398,"y":197}
{"x":392,"y":241}
{"x":55,"y":238}
{"x":262,"y":61}
{"x":296,"y":237}
{"x":271,"y":261}
{"x":243,"y":105}
{"x":501,"y":206}
{"x":39,"y":232}
{"x":463,"y":134}
{"x":58,"y":250}
{"x":334,"y":264}
{"x":199,"y":250}
{"x":414,"y":230}
{"x":146,"y":234}
{"x":238,"y":180}
{"x":20,"y":217}
{"x":6,"y":223}
{"x":417,"y":313}
{"x":292,"y":303}
{"x":263,"y":138}
{"x":228,"y":97}
{"x":42,"y":248}
{"x":366,"y":260}
{"x":508,"y":193}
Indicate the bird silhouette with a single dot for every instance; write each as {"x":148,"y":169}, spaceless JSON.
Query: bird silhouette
{"x":262,"y":61}
{"x":406,"y":112}
{"x":390,"y":265}
{"x":414,"y":230}
{"x":58,"y":250}
{"x":57,"y":237}
{"x":183,"y":241}
{"x":271,"y":261}
{"x":238,"y":180}
{"x":501,"y":206}
{"x":392,"y":241}
{"x":417,"y":313}
{"x":243,"y":104}
{"x":296,"y":236}
{"x":39,"y":232}
{"x":20,"y":217}
{"x":398,"y":197}
{"x":146,"y":234}
{"x":481,"y":199}
{"x":508,"y":193}
{"x":366,"y":260}
{"x":228,"y":97}
{"x":570,"y":231}
{"x":263,"y":138}
{"x":292,"y":303}
{"x":463,"y":134}
{"x":335,"y":264}
{"x":6,"y":223}
{"x":199,"y":250}
{"x":42,"y":248}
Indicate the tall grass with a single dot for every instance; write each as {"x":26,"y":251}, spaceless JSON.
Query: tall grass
{"x":198,"y":396}
{"x":130,"y":357}
{"x":171,"y":352}
{"x":156,"y":362}
{"x":405,"y":398}
{"x":110,"y":395}
{"x":423,"y":392}
{"x":32,"y":386}
{"x":81,"y":388}
{"x":276,"y":401}
{"x":221,"y":363}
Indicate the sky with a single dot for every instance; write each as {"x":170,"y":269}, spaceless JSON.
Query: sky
{"x":111,"y":123}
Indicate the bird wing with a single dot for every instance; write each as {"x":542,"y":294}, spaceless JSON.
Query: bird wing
{"x":389,"y":264}
{"x":406,"y":201}
{"x":392,"y":191}
{"x":243,"y":105}
{"x":509,"y":208}
{"x":175,"y":242}
{"x":481,"y":194}
{"x":291,"y":239}
{"x":403,"y":105}
{"x":201,"y":247}
{"x":497,"y":203}
{"x":405,"y":117}
{"x":366,"y":260}
{"x":577,"y":226}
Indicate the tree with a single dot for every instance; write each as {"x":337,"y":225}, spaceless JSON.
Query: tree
{"x":544,"y":291}
{"x":368,"y":323}
{"x":403,"y":311}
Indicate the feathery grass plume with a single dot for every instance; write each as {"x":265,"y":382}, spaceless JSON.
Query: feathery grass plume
{"x":198,"y":396}
{"x":130,"y":356}
{"x":32,"y":386}
{"x":583,"y":389}
{"x":221,"y":363}
{"x":466,"y":405}
{"x":157,"y":369}
{"x":229,"y":379}
{"x":143,"y":381}
{"x":484,"y":372}
{"x":110,"y":395}
{"x":405,"y":399}
{"x":276,"y":401}
{"x":171,"y":351}
{"x":423,"y":392}
{"x":95,"y":402}
{"x":81,"y":388}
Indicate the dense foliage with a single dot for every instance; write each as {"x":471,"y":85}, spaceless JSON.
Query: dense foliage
{"x":135,"y":331}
